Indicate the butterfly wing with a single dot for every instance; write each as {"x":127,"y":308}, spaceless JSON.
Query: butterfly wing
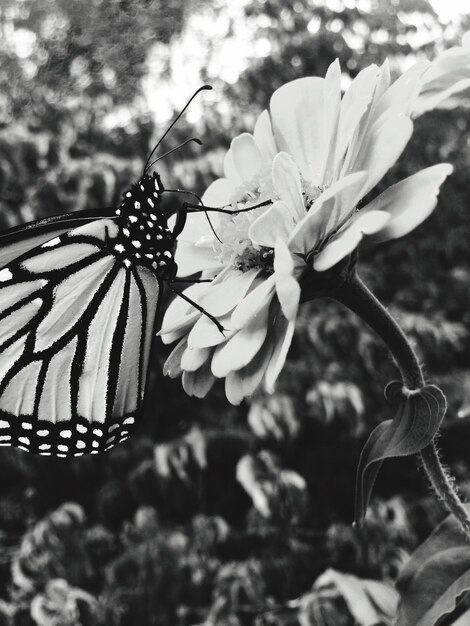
{"x":16,"y":241}
{"x":76,"y":328}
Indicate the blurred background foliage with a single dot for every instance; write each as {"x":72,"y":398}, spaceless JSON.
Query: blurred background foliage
{"x":214,"y":514}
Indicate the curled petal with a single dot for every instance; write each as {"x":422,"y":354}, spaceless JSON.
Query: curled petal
{"x":246,"y":156}
{"x":409,"y":202}
{"x":348,"y":239}
{"x":287,"y":288}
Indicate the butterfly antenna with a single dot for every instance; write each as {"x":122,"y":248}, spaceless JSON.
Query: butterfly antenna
{"x":198,"y":141}
{"x":203,"y":88}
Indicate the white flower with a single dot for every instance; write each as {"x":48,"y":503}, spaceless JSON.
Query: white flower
{"x":315,"y":156}
{"x":444,"y":83}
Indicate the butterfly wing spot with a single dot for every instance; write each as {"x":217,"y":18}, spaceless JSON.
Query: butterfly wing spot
{"x":79,"y":439}
{"x":51,"y":243}
{"x":5,"y":275}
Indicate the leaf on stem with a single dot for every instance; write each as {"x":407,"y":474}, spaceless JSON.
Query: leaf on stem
{"x":436,"y":575}
{"x":418,"y":416}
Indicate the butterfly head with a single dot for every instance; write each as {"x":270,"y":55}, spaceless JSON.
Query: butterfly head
{"x":144,"y":237}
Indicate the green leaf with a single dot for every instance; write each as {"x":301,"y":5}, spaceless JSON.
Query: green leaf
{"x":418,"y":415}
{"x":437,"y":573}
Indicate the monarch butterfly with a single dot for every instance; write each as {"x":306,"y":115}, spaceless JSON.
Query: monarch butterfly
{"x":78,"y":300}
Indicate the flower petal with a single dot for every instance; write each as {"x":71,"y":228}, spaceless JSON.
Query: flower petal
{"x":198,"y":383}
{"x":242,"y":347}
{"x":242,"y":383}
{"x":193,"y":358}
{"x":246,"y":156}
{"x":399,"y":97}
{"x":253,"y":303}
{"x":409,"y":202}
{"x":287,"y":288}
{"x":263,"y":134}
{"x":297,"y":111}
{"x":283,"y":333}
{"x":180,"y":327}
{"x":191,"y":259}
{"x":286,"y":182}
{"x":348,"y":239}
{"x":328,"y":212}
{"x":223,"y":297}
{"x":218,"y":194}
{"x":172,"y":366}
{"x":384,"y":143}
{"x":205,"y":333}
{"x":273,"y":223}
{"x":354,"y":104}
{"x":230,"y":170}
{"x":180,"y":313}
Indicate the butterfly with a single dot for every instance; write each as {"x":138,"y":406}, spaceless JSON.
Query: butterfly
{"x":79,"y":294}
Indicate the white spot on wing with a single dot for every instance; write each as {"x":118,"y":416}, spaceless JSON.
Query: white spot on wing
{"x":5,"y":275}
{"x":51,"y":243}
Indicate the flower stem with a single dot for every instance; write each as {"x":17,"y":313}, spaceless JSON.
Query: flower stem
{"x":356,"y":296}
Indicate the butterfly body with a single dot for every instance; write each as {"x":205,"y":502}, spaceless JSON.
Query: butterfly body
{"x":77,"y":319}
{"x":144,"y":237}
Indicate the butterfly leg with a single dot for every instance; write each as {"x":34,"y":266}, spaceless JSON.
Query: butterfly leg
{"x":196,"y":306}
{"x":188,"y":207}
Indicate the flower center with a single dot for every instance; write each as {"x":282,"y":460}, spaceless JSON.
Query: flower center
{"x":233,"y":246}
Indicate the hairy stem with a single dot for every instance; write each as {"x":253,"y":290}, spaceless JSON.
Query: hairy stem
{"x":357,"y":297}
